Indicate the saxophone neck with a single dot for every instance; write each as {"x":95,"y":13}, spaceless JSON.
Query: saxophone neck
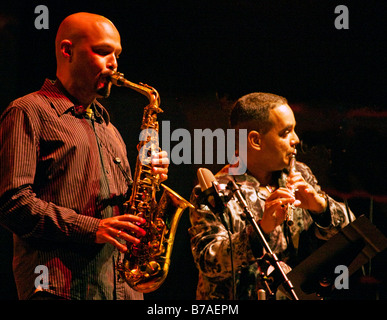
{"x":151,"y":93}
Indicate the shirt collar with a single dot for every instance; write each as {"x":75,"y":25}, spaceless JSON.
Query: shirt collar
{"x":62,"y":103}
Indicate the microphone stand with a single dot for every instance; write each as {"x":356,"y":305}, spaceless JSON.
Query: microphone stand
{"x":249,"y":216}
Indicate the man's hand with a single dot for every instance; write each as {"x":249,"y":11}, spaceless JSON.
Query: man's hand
{"x":160,"y":164}
{"x":276,"y":206}
{"x":110,"y":229}
{"x":309,"y":197}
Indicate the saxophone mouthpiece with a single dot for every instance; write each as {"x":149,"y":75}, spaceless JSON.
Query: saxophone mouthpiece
{"x":117,"y":78}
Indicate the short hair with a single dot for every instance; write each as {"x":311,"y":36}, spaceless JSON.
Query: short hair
{"x":252,"y":111}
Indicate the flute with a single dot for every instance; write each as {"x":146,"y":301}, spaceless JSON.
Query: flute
{"x":291,"y":207}
{"x":282,"y":183}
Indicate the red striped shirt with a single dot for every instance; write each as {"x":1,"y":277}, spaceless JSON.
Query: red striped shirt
{"x":57,"y":180}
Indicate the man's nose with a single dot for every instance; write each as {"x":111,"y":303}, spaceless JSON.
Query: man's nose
{"x":295,"y":140}
{"x":112,"y":62}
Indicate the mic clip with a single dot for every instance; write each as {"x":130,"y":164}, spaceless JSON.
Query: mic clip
{"x":128,"y":179}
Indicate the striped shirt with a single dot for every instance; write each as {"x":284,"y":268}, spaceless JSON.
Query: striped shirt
{"x":57,"y":180}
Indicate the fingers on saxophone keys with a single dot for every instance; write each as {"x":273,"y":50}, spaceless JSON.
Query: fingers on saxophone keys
{"x":128,"y":224}
{"x":160,"y":171}
{"x":130,"y":228}
{"x":160,"y":159}
{"x":131,"y":218}
{"x":113,"y":237}
{"x":126,"y":237}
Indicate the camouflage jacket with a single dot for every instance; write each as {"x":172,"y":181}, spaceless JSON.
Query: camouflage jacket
{"x":222,"y":269}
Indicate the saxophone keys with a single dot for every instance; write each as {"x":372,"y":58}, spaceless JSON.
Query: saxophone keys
{"x":153,"y":268}
{"x":154,"y":247}
{"x":159,"y":224}
{"x":133,"y":275}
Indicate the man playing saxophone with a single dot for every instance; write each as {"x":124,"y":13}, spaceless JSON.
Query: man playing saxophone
{"x":61,"y":190}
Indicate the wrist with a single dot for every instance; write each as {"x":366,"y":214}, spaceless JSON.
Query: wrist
{"x":321,"y":203}
{"x":264,"y":227}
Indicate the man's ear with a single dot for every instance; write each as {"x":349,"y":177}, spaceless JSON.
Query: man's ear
{"x":254,"y":139}
{"x":66,"y":49}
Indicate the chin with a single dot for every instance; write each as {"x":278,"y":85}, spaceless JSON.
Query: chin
{"x":283,"y":166}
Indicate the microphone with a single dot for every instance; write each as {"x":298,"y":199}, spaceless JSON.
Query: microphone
{"x":211,"y":190}
{"x":213,"y":196}
{"x":238,"y":195}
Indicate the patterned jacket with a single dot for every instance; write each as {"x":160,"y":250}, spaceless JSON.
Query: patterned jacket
{"x":210,"y":239}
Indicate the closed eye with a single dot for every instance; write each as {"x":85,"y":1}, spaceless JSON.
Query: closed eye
{"x":106,"y":50}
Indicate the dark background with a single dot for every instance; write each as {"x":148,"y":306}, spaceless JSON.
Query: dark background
{"x":201,"y":56}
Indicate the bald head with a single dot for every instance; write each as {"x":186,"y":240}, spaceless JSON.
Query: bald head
{"x":87,"y":46}
{"x":81,"y":26}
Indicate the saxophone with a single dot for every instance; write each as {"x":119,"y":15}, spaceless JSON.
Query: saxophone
{"x":145,"y":266}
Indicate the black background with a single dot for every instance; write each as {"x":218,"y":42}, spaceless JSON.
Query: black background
{"x":201,"y":56}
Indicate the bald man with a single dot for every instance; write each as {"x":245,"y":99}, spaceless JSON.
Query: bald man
{"x":61,"y":193}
